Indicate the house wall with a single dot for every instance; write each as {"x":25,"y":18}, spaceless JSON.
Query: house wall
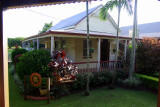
{"x":79,"y":50}
{"x":95,"y":24}
{"x":70,"y":48}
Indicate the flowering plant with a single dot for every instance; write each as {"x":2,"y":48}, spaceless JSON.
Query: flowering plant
{"x":60,"y":65}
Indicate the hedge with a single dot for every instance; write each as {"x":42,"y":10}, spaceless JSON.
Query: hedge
{"x":33,"y":61}
{"x":17,"y":51}
{"x":148,"y":81}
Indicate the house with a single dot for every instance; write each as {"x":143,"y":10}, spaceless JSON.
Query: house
{"x":70,"y":35}
{"x":144,"y":30}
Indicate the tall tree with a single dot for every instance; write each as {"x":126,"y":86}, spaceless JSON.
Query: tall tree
{"x":87,"y":77}
{"x":46,"y":27}
{"x":15,"y":41}
{"x":132,"y":62}
{"x":103,"y":15}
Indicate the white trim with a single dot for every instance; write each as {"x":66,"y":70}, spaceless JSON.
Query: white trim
{"x":52,"y":45}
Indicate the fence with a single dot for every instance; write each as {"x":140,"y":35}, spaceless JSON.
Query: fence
{"x":95,"y":66}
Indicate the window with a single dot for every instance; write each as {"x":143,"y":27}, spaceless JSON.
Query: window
{"x":64,"y":44}
{"x":85,"y":48}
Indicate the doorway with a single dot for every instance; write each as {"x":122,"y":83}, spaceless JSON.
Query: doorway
{"x":105,"y":47}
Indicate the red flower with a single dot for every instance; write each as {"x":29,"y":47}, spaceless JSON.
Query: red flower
{"x":63,"y":54}
{"x":73,"y":77}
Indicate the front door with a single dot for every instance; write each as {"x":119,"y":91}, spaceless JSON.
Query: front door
{"x":105,"y":47}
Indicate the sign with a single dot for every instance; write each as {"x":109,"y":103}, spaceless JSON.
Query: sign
{"x":35,"y":79}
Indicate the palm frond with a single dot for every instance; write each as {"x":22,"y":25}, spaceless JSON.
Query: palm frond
{"x":108,"y":6}
{"x":127,"y":5}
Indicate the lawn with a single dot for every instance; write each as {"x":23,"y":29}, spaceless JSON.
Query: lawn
{"x":102,"y":97}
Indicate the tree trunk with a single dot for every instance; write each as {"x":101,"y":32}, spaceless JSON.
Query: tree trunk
{"x":87,"y":77}
{"x":132,"y":62}
{"x":117,"y":43}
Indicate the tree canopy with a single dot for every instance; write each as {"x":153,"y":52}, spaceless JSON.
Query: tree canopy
{"x":15,"y":41}
{"x":46,"y":27}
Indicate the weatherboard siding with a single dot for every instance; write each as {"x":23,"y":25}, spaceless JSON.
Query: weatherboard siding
{"x":95,"y":24}
{"x":70,"y":48}
{"x":79,"y":53}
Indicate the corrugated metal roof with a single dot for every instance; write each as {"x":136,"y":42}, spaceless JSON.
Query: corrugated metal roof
{"x":72,"y":21}
{"x":12,"y":4}
{"x":143,"y":28}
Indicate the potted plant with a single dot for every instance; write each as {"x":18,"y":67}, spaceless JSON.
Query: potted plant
{"x":91,"y":50}
{"x":43,"y":90}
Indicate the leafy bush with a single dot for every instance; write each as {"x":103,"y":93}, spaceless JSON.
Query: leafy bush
{"x":131,"y":82}
{"x":148,"y":81}
{"x":121,"y":74}
{"x":60,"y":65}
{"x":19,"y":83}
{"x":33,"y":61}
{"x":147,"y":56}
{"x":155,"y":75}
{"x":80,"y":82}
{"x":17,"y":51}
{"x":100,"y":78}
{"x":96,"y":79}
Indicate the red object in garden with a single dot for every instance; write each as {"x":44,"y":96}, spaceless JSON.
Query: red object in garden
{"x":73,"y":77}
{"x":16,"y":46}
{"x":63,"y":54}
{"x":35,"y":79}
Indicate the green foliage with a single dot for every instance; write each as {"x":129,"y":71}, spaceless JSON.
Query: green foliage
{"x":121,"y":74}
{"x":115,"y":3}
{"x":155,"y":75}
{"x":19,"y":83}
{"x":46,"y":27}
{"x":33,"y":61}
{"x":81,"y":80}
{"x":147,"y":56}
{"x":148,"y":81}
{"x":131,"y":82}
{"x":96,"y":79}
{"x":15,"y":41}
{"x":17,"y":51}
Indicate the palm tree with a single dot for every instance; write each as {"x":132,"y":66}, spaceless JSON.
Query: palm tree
{"x":132,"y":62}
{"x":87,"y":77}
{"x":103,"y":15}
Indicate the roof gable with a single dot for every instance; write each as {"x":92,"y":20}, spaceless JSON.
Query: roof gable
{"x":72,"y":21}
{"x":98,"y":25}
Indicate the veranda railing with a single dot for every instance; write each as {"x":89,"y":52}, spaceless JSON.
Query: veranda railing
{"x":94,"y":66}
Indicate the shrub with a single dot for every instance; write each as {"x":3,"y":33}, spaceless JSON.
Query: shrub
{"x":121,"y":74}
{"x":17,"y":51}
{"x":148,"y":81}
{"x":80,"y":82}
{"x":19,"y":83}
{"x":155,"y":75}
{"x":96,"y":79}
{"x":147,"y":56}
{"x":131,"y":82}
{"x":60,"y":65}
{"x":33,"y":61}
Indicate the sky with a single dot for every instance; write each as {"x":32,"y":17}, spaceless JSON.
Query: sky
{"x":25,"y":22}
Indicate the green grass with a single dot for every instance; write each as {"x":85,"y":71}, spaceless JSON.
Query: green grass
{"x":98,"y":98}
